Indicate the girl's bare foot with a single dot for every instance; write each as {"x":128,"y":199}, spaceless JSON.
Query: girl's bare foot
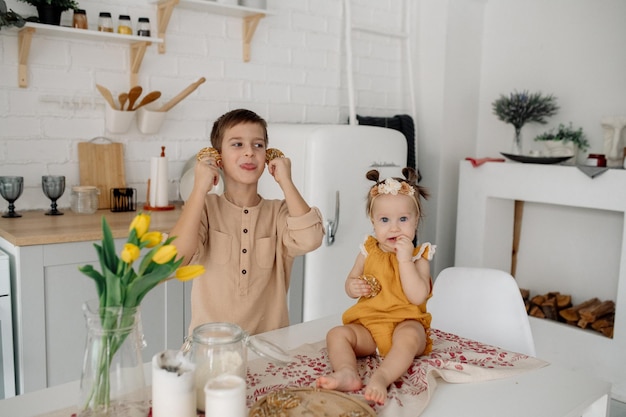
{"x":342,"y":380}
{"x":376,"y":390}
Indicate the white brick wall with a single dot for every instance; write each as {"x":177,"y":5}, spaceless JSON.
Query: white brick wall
{"x":296,"y":74}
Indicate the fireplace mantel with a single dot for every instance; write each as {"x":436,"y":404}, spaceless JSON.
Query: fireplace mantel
{"x":484,"y":237}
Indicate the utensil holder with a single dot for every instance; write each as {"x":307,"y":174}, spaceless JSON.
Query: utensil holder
{"x":149,"y":120}
{"x":123,"y":199}
{"x":118,"y":121}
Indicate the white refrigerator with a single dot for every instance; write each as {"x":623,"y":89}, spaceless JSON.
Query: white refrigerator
{"x":329,"y":163}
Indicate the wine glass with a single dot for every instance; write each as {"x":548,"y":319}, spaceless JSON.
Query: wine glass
{"x":53,"y":187}
{"x":11,"y":189}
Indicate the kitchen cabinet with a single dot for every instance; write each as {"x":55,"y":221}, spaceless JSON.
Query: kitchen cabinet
{"x":250,"y":16}
{"x":138,"y":45}
{"x":49,"y":290}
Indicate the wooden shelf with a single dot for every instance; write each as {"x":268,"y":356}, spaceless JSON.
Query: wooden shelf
{"x":250,"y":16}
{"x":138,"y":45}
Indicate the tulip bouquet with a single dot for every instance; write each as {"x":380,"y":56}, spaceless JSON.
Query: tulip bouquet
{"x":121,"y":287}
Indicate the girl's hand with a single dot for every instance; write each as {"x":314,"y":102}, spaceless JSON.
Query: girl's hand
{"x":358,"y":288}
{"x":404,"y":249}
{"x":280,"y":169}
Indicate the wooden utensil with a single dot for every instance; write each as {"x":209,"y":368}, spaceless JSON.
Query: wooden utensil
{"x":133,"y":95}
{"x":101,"y":163}
{"x":123,"y":97}
{"x":107,"y":95}
{"x":174,"y":101}
{"x":149,"y":98}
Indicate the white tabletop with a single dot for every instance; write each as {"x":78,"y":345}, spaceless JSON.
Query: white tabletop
{"x":549,"y":391}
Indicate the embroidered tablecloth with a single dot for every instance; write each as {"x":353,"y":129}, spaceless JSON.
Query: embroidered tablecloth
{"x":453,"y":359}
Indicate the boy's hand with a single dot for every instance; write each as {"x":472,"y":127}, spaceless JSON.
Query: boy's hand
{"x":280,"y":169}
{"x":206,"y":174}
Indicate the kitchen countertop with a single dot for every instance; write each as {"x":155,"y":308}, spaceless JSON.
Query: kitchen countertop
{"x":36,"y":228}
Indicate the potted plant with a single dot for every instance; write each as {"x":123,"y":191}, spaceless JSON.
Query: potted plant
{"x":50,"y":10}
{"x":9,"y":18}
{"x":523,"y":107}
{"x":564,"y":141}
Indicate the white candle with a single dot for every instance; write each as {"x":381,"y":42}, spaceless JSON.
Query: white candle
{"x":173,"y":385}
{"x":225,"y":396}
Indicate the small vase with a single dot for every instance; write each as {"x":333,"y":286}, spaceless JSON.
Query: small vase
{"x":516,"y":148}
{"x":49,"y":14}
{"x":112,"y":382}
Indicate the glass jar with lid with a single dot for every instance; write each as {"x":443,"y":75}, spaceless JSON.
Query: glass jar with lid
{"x":79,"y":20}
{"x":143,"y":26}
{"x":105,"y":22}
{"x":84,"y":199}
{"x":219,"y":349}
{"x":124,"y":26}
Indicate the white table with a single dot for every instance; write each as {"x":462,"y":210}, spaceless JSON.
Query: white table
{"x":551,"y":391}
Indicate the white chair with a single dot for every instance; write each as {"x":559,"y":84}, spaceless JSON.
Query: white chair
{"x":481,"y":304}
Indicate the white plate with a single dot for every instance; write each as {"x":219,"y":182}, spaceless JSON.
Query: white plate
{"x":186,"y":181}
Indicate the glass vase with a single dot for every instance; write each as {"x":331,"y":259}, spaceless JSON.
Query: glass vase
{"x":516,"y":148}
{"x":112,"y":382}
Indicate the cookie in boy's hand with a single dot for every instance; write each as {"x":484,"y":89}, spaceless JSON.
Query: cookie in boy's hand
{"x":211,"y":153}
{"x":373,"y":283}
{"x":272,"y":153}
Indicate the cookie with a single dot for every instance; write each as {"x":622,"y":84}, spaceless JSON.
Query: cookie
{"x":209,"y":152}
{"x":272,"y":153}
{"x":373,"y":283}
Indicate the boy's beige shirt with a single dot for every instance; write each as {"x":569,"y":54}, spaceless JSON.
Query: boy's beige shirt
{"x":248,"y":254}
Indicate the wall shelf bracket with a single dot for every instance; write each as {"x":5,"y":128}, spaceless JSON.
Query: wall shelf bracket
{"x":164,"y":13}
{"x":250,"y":24}
{"x":137,"y":52}
{"x":25,"y":36}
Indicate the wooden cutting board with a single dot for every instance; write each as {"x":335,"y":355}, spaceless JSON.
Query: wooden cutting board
{"x":101,"y":163}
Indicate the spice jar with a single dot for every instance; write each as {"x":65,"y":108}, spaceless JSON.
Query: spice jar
{"x":221,"y":349}
{"x":143,"y":26}
{"x":84,"y":199}
{"x":105,"y":23}
{"x":123,"y":25}
{"x":79,"y":20}
{"x":596,"y":160}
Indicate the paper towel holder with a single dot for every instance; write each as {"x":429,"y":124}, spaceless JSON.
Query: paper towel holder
{"x":147,"y":205}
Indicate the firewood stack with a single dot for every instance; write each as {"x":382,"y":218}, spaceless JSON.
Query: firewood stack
{"x":591,"y":314}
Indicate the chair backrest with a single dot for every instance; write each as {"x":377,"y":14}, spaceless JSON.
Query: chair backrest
{"x":481,"y":304}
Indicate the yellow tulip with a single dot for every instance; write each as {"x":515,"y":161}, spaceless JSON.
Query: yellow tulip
{"x":165,"y":254}
{"x":189,"y":272}
{"x":153,"y":239}
{"x":130,"y":253}
{"x":141,"y":224}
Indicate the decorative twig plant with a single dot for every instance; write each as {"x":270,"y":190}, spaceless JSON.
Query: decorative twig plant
{"x":523,"y":107}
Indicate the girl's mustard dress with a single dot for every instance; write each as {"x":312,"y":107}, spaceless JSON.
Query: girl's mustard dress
{"x":380,"y":314}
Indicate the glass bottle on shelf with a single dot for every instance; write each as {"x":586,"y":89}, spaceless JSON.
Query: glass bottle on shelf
{"x":79,"y":20}
{"x":105,"y":23}
{"x":124,"y":26}
{"x":143,"y":26}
